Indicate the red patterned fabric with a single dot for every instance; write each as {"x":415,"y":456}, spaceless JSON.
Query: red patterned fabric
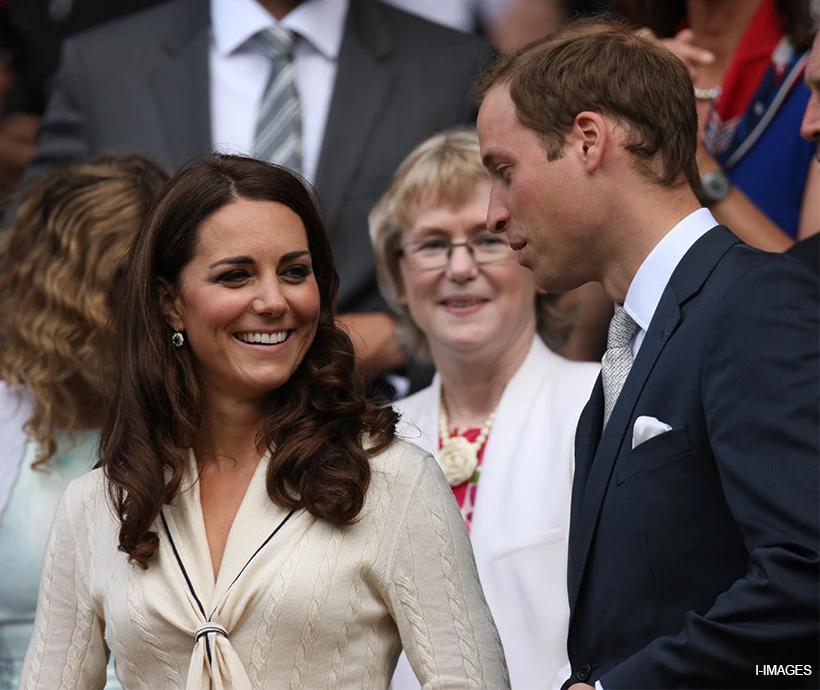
{"x":466,"y":492}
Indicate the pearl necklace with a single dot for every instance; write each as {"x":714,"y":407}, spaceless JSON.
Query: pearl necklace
{"x":458,"y":457}
{"x":707,"y":94}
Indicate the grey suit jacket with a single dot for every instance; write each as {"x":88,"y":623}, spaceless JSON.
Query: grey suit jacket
{"x":142,"y":84}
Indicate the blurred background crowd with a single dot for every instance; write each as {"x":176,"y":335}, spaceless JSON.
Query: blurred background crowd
{"x":100,"y":100}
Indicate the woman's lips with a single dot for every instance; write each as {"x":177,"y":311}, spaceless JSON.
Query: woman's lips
{"x":463,"y":304}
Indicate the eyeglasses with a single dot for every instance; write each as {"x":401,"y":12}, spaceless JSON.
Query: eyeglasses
{"x":435,"y":253}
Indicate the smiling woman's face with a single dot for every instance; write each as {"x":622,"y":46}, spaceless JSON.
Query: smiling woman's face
{"x":465,"y":309}
{"x":248,"y":300}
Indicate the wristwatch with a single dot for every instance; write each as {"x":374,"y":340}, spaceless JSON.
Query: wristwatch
{"x":715,"y":187}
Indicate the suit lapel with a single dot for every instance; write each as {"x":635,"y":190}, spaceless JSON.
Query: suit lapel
{"x":364,"y":81}
{"x":587,"y":438}
{"x":180,"y":85}
{"x":590,"y":487}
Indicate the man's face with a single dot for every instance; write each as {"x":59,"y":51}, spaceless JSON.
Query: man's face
{"x":539,"y":203}
{"x":810,"y":129}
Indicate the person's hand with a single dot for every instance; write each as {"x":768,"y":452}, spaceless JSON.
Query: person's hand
{"x":525,"y":21}
{"x":683,"y":45}
{"x":374,"y":341}
{"x":581,"y":686}
{"x":17,"y":146}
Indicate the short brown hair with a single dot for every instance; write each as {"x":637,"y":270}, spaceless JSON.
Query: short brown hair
{"x":443,"y":170}
{"x":603,"y":66}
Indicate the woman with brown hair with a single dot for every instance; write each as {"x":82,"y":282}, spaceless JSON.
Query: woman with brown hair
{"x":58,"y":261}
{"x":746,"y":59}
{"x":264,"y":528}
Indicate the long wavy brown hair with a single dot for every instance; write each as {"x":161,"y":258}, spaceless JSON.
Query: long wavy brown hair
{"x":58,"y":260}
{"x":320,"y":428}
{"x":664,"y":17}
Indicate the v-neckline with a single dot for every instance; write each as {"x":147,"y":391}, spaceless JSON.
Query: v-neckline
{"x":254,"y":519}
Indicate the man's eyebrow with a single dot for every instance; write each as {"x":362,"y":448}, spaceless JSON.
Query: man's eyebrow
{"x":243,"y":260}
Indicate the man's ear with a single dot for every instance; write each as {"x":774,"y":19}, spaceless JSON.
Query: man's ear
{"x":589,"y":136}
{"x":169,"y":303}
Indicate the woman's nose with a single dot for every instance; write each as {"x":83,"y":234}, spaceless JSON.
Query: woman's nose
{"x":269,"y":299}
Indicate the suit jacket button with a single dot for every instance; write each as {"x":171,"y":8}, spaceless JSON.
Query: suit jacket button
{"x":583,"y":671}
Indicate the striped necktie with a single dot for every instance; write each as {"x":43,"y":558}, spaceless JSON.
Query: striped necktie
{"x":278,"y":136}
{"x":617,"y":361}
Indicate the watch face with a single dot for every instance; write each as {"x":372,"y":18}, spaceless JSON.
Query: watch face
{"x":716,"y":187}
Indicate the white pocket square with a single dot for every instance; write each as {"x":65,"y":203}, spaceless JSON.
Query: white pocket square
{"x":646,"y":428}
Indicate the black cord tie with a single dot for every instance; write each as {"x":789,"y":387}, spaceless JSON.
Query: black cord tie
{"x":209,"y":627}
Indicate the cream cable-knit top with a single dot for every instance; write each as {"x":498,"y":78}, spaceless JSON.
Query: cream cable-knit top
{"x":317,"y":607}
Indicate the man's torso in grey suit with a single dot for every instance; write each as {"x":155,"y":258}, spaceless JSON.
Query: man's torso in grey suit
{"x":142,"y":84}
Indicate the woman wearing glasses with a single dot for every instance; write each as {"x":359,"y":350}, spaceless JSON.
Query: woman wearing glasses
{"x":501,"y":412}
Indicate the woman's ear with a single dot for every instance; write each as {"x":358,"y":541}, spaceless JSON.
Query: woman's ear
{"x":170,"y":305}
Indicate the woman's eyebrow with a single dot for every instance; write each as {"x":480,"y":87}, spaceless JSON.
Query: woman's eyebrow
{"x":292,"y":256}
{"x":244,"y":260}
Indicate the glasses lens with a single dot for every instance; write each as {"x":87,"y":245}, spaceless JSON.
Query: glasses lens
{"x":428,"y":254}
{"x":488,"y":248}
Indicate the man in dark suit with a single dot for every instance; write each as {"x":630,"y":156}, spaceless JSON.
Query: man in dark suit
{"x":693,"y":546}
{"x":164,"y":83}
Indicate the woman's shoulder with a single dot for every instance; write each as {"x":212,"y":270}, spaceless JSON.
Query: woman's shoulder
{"x":420,"y":400}
{"x":86,"y":491}
{"x":400,"y":467}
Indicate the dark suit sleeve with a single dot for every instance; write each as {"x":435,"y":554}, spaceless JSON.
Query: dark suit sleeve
{"x":64,"y":131}
{"x":759,"y":383}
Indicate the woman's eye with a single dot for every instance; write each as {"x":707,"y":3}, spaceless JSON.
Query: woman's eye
{"x":297,"y":272}
{"x":431,"y":246}
{"x":488,"y":241}
{"x":235,"y":276}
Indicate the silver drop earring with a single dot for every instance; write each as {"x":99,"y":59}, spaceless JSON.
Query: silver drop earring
{"x":178,"y":339}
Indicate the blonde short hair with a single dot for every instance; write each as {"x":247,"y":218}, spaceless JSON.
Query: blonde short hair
{"x":442,"y":170}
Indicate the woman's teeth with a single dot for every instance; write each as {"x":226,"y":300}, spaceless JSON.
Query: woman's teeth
{"x":263,"y":338}
{"x":462,"y":303}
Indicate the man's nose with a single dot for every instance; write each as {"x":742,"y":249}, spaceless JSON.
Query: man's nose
{"x":497,"y":213}
{"x":810,"y":127}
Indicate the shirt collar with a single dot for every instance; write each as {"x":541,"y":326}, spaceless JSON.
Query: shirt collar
{"x":650,"y":281}
{"x":320,"y":22}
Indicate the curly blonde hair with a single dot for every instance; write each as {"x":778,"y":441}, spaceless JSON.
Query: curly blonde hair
{"x":59,"y":260}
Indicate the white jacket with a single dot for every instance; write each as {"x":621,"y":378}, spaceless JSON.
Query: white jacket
{"x":521,"y":517}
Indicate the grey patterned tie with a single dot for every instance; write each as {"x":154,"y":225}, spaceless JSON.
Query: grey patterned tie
{"x":617,"y":359}
{"x":279,"y":124}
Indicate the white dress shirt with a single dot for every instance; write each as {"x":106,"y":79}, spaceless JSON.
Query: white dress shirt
{"x":653,"y":276}
{"x":239,"y":72}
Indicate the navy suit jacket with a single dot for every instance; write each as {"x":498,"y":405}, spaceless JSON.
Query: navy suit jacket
{"x":693,"y":558}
